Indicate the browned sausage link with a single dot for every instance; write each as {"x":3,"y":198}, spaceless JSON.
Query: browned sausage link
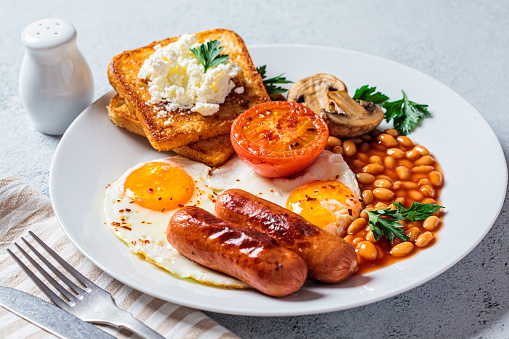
{"x":330,"y":258}
{"x":246,"y":254}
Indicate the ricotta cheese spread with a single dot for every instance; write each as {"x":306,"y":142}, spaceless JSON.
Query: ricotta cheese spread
{"x":176,"y":78}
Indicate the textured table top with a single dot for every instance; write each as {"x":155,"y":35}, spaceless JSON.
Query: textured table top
{"x":464,"y":44}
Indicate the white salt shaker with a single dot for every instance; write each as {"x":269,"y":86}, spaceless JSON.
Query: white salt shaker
{"x":55,"y":81}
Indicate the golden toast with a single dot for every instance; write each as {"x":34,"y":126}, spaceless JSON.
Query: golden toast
{"x":213,"y":151}
{"x":181,"y":129}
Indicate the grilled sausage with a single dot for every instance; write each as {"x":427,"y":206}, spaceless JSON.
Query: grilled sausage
{"x":246,"y":254}
{"x":329,"y":258}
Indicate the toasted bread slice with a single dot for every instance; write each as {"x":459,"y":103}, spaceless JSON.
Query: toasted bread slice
{"x":213,"y":152}
{"x":183,"y":127}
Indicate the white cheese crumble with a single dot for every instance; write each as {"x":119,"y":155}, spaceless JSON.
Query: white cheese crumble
{"x":176,"y":78}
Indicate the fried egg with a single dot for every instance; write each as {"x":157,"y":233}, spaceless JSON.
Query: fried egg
{"x":139,"y":205}
{"x":326,"y":193}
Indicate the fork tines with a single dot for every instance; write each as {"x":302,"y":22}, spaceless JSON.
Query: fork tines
{"x":49,"y":293}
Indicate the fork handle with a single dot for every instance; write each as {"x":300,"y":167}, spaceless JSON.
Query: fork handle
{"x":128,"y":321}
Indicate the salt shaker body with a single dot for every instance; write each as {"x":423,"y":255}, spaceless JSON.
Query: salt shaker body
{"x":55,"y":81}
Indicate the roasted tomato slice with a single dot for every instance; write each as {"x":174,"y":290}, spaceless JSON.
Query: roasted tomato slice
{"x":279,"y":138}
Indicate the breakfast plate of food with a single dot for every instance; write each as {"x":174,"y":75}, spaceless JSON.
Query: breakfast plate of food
{"x":252,"y":181}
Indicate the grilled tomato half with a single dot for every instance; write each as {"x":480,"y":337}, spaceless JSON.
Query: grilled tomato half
{"x":279,"y":138}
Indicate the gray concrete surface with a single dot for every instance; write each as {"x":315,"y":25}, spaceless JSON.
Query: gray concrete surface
{"x":464,"y":44}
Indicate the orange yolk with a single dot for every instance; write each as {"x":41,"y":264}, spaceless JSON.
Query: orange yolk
{"x":325,"y":203}
{"x":159,"y":187}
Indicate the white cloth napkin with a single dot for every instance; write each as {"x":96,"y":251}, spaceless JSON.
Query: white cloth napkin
{"x":23,"y":208}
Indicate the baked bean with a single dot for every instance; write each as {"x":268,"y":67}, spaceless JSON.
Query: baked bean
{"x":405,"y":162}
{"x":415,"y":195}
{"x":364,"y":215}
{"x":424,"y":181}
{"x":369,"y":207}
{"x":389,"y":162}
{"x":358,"y":240}
{"x":400,"y":250}
{"x":379,"y":252}
{"x":387,"y":140}
{"x":429,"y":201}
{"x":366,"y":137}
{"x":383,"y":193}
{"x":357,"y":162}
{"x":396,"y":185}
{"x":413,"y":233}
{"x":370,"y":237}
{"x":333,"y":142}
{"x":424,"y":160}
{"x":356,"y":225}
{"x":360,"y":259}
{"x":421,"y":149}
{"x":364,"y":147}
{"x":384,"y":177}
{"x":382,"y":183}
{"x":396,"y":241}
{"x":373,"y":168}
{"x":424,"y":239}
{"x":356,"y":140}
{"x":392,"y":132}
{"x":436,"y":178}
{"x":349,"y":238}
{"x":422,"y":169}
{"x":375,"y":159}
{"x":396,"y":153}
{"x":380,"y":206}
{"x":402,"y":140}
{"x":403,"y":172}
{"x":338,"y":150}
{"x":427,"y":191}
{"x":412,"y":154}
{"x":367,"y":250}
{"x":419,"y":176}
{"x":376,"y":132}
{"x":365,"y":178}
{"x":367,"y":197}
{"x":349,"y":148}
{"x":400,"y":194}
{"x":431,"y":223}
{"x":409,"y":185}
{"x":411,"y":224}
{"x":400,"y":200}
{"x":363,"y":156}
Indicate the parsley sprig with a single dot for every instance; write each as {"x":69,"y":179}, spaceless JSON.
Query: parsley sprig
{"x":386,"y":222}
{"x":208,"y":54}
{"x":406,"y":114}
{"x":270,"y":84}
{"x":367,"y":93}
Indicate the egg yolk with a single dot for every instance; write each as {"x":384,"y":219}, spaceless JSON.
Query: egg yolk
{"x":159,"y":187}
{"x":325,"y":203}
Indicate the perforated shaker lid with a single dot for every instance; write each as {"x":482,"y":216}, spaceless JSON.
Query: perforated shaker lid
{"x":48,"y":33}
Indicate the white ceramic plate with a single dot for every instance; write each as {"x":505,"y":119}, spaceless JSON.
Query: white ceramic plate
{"x":93,"y":152}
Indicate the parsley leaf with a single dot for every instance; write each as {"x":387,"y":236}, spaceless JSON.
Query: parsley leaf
{"x":208,"y":54}
{"x":386,"y":222}
{"x":405,"y":114}
{"x":417,"y":211}
{"x":270,"y":84}
{"x":367,"y":93}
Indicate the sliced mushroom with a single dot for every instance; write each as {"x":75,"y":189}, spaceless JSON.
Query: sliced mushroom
{"x":328,"y":96}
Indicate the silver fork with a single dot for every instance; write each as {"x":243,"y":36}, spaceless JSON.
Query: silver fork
{"x":91,"y":304}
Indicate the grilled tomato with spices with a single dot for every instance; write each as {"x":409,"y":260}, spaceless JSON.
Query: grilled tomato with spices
{"x":279,"y":138}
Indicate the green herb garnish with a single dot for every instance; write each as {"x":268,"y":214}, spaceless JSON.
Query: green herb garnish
{"x":405,"y":114}
{"x":270,"y":84}
{"x":386,"y":222}
{"x":208,"y":54}
{"x":367,"y":93}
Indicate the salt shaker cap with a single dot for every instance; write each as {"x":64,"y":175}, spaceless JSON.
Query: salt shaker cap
{"x":47,"y":33}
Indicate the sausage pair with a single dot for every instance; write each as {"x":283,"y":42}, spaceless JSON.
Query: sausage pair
{"x":273,"y":251}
